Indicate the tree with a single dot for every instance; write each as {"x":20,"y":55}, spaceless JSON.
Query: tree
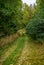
{"x":9,"y":14}
{"x":35,"y":27}
{"x":27,"y":13}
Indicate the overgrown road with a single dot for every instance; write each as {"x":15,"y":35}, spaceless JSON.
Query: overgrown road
{"x":23,"y":51}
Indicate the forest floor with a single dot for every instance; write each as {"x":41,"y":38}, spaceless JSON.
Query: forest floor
{"x":22,"y":51}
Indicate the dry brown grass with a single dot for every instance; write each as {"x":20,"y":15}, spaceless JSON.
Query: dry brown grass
{"x":8,"y":39}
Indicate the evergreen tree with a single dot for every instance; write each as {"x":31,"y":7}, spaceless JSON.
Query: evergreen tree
{"x":40,"y":9}
{"x":35,"y":28}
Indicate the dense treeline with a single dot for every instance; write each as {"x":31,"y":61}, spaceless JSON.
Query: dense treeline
{"x":8,"y":16}
{"x":36,"y":26}
{"x":13,"y":16}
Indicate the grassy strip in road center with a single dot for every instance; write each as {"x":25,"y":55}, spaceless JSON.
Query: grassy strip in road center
{"x":5,"y":48}
{"x":17,"y":52}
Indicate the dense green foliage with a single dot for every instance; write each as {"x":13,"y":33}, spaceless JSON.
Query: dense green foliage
{"x":9,"y":16}
{"x":14,"y":15}
{"x":35,"y":27}
{"x":27,"y":13}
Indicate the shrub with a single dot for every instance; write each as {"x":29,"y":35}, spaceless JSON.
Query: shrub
{"x":35,"y":29}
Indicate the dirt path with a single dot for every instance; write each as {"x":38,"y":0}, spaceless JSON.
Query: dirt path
{"x":16,"y":53}
{"x":24,"y":54}
{"x":30,"y":54}
{"x":7,"y":53}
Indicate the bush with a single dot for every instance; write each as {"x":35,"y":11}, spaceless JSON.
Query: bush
{"x":35,"y":29}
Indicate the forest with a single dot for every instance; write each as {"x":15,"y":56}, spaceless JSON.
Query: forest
{"x":21,"y":33}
